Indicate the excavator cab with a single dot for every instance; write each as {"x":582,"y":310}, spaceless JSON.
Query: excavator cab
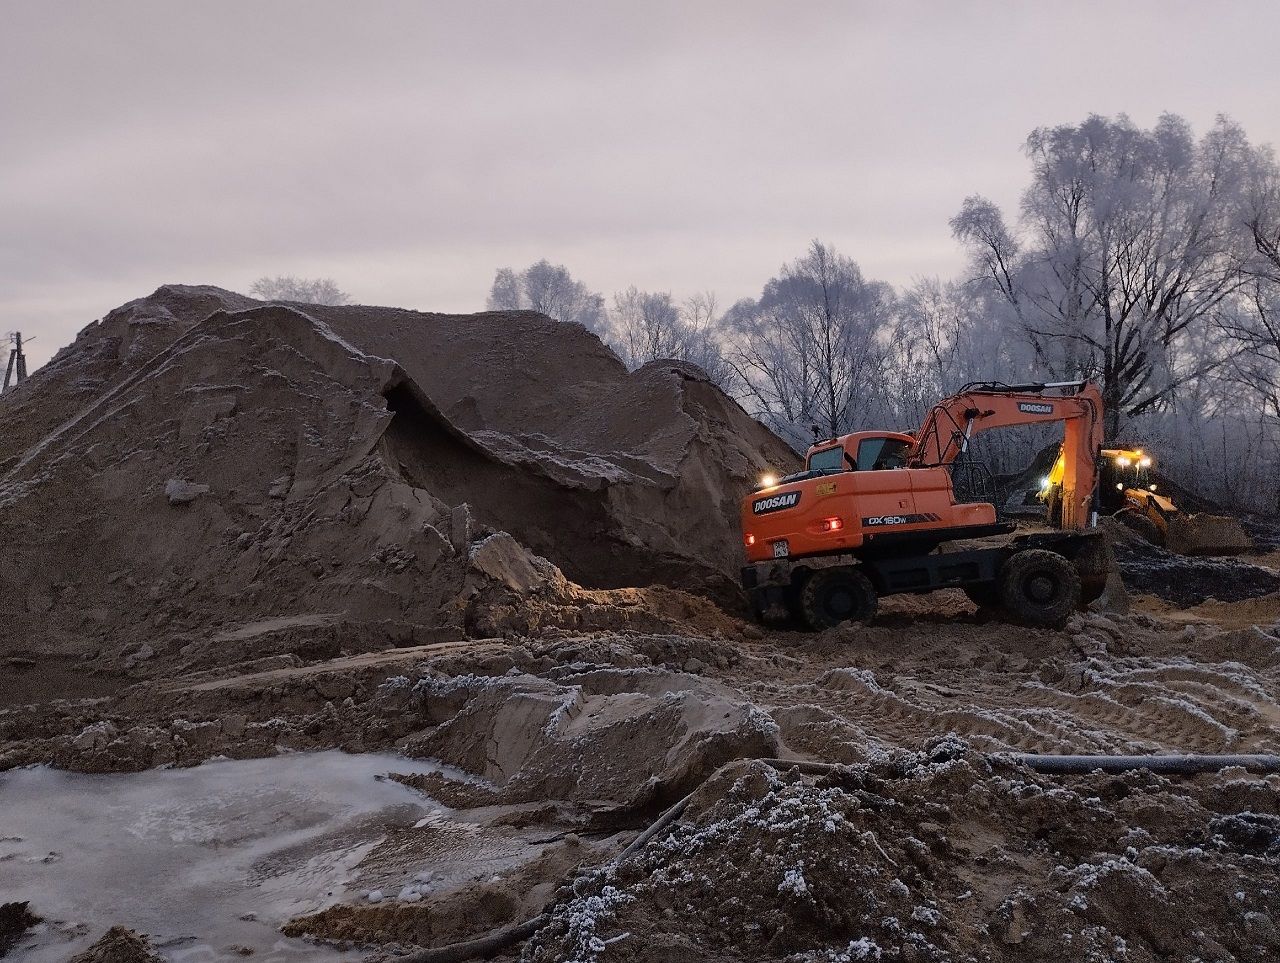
{"x":860,"y":451}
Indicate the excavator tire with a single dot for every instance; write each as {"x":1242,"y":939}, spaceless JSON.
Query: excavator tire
{"x":834,"y":595}
{"x":1141,"y":524}
{"x":1039,"y":587}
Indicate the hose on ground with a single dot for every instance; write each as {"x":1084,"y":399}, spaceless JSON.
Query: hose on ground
{"x":1182,"y":764}
{"x":490,"y":945}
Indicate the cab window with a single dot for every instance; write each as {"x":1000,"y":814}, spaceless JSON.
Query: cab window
{"x":881,"y":454}
{"x":829,"y":459}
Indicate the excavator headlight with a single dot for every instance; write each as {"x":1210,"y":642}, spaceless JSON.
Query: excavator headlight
{"x":768,"y":480}
{"x":1151,"y":487}
{"x":1120,"y":486}
{"x":832,"y":524}
{"x":1044,"y":482}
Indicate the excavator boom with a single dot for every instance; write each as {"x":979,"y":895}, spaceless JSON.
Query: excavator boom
{"x":952,"y":423}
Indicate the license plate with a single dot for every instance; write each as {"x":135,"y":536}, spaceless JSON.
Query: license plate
{"x":781,"y":548}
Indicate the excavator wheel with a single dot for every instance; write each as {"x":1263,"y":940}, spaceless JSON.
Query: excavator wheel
{"x":1039,"y":587}
{"x":834,"y":595}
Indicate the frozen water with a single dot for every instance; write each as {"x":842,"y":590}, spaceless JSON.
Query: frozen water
{"x":202,"y":859}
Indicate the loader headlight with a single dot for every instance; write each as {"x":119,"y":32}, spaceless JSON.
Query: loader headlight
{"x":1152,"y":487}
{"x":1144,"y":461}
{"x":1120,"y":486}
{"x":1123,"y":461}
{"x":1044,"y":482}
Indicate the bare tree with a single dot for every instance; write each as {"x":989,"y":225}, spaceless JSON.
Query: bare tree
{"x":810,"y":351}
{"x":946,"y":334}
{"x":550,"y":289}
{"x":703,"y":338}
{"x":1252,"y":327}
{"x":645,"y":326}
{"x":1130,"y":239}
{"x":302,"y":290}
{"x":1262,"y":215}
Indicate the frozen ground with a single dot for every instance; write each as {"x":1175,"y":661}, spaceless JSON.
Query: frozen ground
{"x":205,"y":859}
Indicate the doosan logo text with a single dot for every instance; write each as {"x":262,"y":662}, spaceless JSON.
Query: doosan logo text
{"x":1035,"y":408}
{"x":774,"y":503}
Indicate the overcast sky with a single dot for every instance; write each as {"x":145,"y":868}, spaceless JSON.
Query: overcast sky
{"x":409,"y":149}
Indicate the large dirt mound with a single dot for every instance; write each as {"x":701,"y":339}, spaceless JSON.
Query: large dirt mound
{"x":200,"y":459}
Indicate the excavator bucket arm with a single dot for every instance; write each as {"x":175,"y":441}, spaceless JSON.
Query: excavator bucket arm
{"x":952,"y":423}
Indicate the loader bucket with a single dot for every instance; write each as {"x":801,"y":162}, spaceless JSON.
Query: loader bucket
{"x":1204,"y":534}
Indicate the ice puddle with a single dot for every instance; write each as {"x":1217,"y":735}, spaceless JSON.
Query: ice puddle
{"x":205,"y":860}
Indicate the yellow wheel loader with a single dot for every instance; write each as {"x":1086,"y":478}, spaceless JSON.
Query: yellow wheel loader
{"x":1127,"y":492}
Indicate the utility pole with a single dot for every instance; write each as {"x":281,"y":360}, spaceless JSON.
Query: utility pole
{"x":17,"y":361}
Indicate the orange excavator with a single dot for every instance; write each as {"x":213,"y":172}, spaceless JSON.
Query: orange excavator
{"x":867,"y":515}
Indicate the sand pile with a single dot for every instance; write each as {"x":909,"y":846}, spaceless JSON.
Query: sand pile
{"x":611,"y":738}
{"x":941,"y":856}
{"x":201,"y":461}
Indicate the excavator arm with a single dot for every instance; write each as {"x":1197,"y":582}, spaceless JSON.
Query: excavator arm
{"x":952,"y":423}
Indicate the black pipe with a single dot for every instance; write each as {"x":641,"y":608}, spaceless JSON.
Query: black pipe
{"x":1179,"y":764}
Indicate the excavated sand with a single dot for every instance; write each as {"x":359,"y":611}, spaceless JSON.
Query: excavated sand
{"x":198,"y":459}
{"x":251,"y":529}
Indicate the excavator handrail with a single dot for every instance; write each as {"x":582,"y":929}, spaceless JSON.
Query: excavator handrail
{"x":1000,"y":387}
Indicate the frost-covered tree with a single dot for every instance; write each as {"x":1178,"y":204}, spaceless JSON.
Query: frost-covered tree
{"x":648,"y":326}
{"x":644,"y":326}
{"x":1128,"y":240}
{"x":946,"y":334}
{"x":703,"y":342}
{"x":810,"y":351}
{"x":303,"y":290}
{"x":550,"y":289}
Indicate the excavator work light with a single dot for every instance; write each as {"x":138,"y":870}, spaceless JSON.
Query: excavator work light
{"x":749,"y":539}
{"x":768,"y":480}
